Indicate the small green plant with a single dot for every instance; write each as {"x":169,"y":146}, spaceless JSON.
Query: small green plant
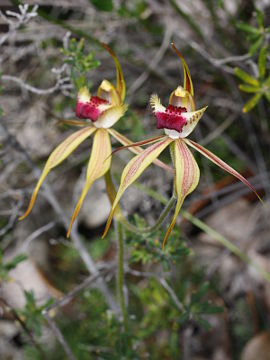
{"x":10,"y":265}
{"x":198,"y":307}
{"x":31,"y":314}
{"x":260,"y":85}
{"x":79,"y":62}
{"x":256,"y":36}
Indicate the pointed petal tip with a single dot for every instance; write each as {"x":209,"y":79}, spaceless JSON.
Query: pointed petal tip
{"x":106,"y":46}
{"x":108,"y":224}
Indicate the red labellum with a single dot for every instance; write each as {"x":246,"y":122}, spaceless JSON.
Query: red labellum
{"x":171,"y":118}
{"x":90,"y":109}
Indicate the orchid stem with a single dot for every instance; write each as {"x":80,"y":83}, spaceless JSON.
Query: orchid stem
{"x":120,"y":251}
{"x":153,"y":228}
{"x":120,"y":273}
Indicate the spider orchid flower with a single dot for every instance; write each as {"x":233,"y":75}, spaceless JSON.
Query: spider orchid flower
{"x":178,"y":120}
{"x":103,"y":111}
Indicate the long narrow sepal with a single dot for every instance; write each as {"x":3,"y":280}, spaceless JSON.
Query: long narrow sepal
{"x":216,"y":160}
{"x":57,"y":156}
{"x":137,"y":149}
{"x":121,"y":86}
{"x":187,"y":175}
{"x":133,"y":170}
{"x":139,"y":143}
{"x":99,"y":164}
{"x":73,"y":122}
{"x":187,"y":78}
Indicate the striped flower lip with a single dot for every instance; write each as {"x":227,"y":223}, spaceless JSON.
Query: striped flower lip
{"x":172,"y":118}
{"x":175,"y":120}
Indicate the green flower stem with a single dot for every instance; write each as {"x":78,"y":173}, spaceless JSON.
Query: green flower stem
{"x":120,"y":273}
{"x":153,"y":228}
{"x":112,"y":193}
{"x":120,"y":247}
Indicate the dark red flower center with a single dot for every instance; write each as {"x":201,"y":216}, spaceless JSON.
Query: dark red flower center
{"x":89,"y":110}
{"x":171,"y":118}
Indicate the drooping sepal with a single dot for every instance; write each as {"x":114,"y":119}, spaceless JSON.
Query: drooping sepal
{"x":187,"y":175}
{"x":137,"y":149}
{"x":134,"y":169}
{"x":99,"y":164}
{"x":57,"y":156}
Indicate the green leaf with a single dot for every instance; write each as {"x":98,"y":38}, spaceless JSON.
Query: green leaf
{"x":251,"y":103}
{"x":183,"y":318}
{"x":267,"y":95}
{"x":103,"y":5}
{"x":220,"y":3}
{"x":241,"y":74}
{"x":195,"y":297}
{"x":249,"y":88}
{"x":267,"y":82}
{"x":205,"y":324}
{"x":262,"y":61}
{"x":259,"y":16}
{"x":254,"y":47}
{"x":14,"y":262}
{"x":248,"y":28}
{"x":212,"y":309}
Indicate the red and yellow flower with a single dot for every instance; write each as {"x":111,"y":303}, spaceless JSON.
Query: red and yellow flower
{"x":178,"y":120}
{"x":102,"y":111}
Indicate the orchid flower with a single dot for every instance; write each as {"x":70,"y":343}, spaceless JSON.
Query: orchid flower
{"x":103,"y":111}
{"x":178,"y":120}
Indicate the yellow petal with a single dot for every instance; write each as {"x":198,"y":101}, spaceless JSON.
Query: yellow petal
{"x":57,"y":156}
{"x":187,"y":175}
{"x":134,"y":169}
{"x":110,"y":116}
{"x":187,"y":78}
{"x":108,"y":92}
{"x":137,"y":149}
{"x":182,"y":98}
{"x":99,"y":164}
{"x":121,"y":86}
